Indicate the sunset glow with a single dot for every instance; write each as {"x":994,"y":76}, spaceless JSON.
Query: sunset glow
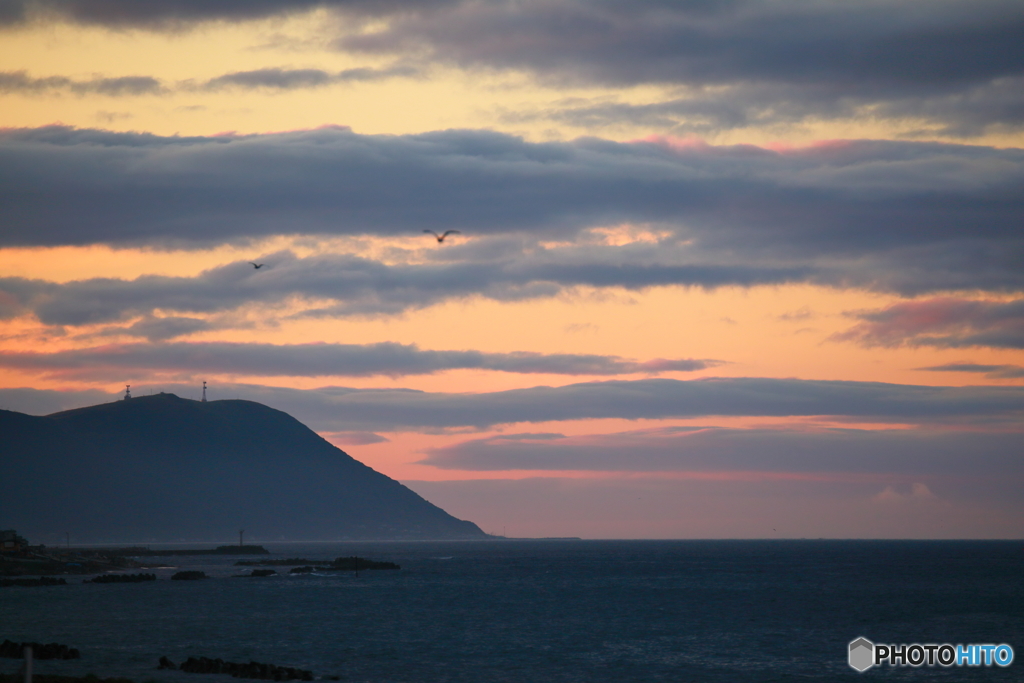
{"x":689,"y":296}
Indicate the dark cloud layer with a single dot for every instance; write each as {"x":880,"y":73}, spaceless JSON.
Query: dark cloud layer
{"x":990,"y":371}
{"x":345,"y":286}
{"x":317,"y":360}
{"x":996,"y":106}
{"x":275,"y":79}
{"x":920,"y":453}
{"x":175,"y":14}
{"x":651,"y":399}
{"x":20,"y":82}
{"x":943,"y":323}
{"x":950,"y":62}
{"x":883,"y":215}
{"x":333,"y":409}
{"x":954,"y":65}
{"x":906,"y":44}
{"x":293,"y":79}
{"x":888,"y":44}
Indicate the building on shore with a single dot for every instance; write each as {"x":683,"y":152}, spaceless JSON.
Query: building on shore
{"x":11,"y":542}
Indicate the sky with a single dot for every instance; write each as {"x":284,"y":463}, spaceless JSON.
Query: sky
{"x":722,"y":269}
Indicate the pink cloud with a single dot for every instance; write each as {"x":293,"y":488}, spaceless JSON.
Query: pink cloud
{"x":941,"y":322}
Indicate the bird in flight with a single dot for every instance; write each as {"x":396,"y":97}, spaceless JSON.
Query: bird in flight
{"x":257,"y":266}
{"x":440,"y":238}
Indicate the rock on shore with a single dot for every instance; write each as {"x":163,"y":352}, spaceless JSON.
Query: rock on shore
{"x":256,"y":670}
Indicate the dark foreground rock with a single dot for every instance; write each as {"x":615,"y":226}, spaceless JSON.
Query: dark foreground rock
{"x":191,"y":575}
{"x":302,"y":570}
{"x":122,"y":578}
{"x":256,"y":574}
{"x":262,"y":572}
{"x":266,"y":672}
{"x":12,"y":650}
{"x":31,"y":583}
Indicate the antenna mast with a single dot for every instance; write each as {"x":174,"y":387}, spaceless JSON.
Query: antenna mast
{"x":127,"y":391}
{"x":204,"y":391}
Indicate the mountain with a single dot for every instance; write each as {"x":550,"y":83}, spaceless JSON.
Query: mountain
{"x":162,"y":468}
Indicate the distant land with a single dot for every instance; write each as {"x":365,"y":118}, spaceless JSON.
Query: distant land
{"x":165,"y":469}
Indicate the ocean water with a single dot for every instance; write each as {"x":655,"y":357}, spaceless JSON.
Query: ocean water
{"x":617,"y":611}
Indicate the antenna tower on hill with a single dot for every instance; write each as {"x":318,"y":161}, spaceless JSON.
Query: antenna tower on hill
{"x":204,"y":391}
{"x":127,"y":391}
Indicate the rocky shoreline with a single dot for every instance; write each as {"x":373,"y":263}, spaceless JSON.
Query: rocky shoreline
{"x":41,"y":560}
{"x":195,"y":665}
{"x":298,"y":566}
{"x":12,"y":650}
{"x":52,"y":678}
{"x":255,"y":670}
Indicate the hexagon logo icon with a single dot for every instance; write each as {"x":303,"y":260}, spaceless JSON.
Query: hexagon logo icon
{"x":862,"y":654}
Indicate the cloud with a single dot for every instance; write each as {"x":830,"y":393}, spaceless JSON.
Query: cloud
{"x":900,"y":452}
{"x":312,"y":360}
{"x":952,"y":65}
{"x":996,"y":106}
{"x":743,"y":62}
{"x":917,"y":492}
{"x":874,"y":45}
{"x":292,"y":79}
{"x":161,"y":329}
{"x":20,"y":82}
{"x":342,"y":285}
{"x":881,"y":215}
{"x":990,"y":371}
{"x":945,"y":322}
{"x":335,"y":409}
{"x":355,"y":438}
{"x":178,"y":14}
{"x":801,"y":314}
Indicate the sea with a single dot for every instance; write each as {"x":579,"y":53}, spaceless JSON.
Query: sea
{"x":547,"y":611}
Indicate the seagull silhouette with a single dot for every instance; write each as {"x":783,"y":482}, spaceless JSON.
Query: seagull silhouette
{"x":440,"y":238}
{"x":257,"y":266}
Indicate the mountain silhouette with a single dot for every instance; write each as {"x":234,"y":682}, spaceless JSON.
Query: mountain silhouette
{"x":162,"y":468}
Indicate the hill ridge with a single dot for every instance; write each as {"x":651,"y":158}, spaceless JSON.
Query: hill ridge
{"x":165,"y":468}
